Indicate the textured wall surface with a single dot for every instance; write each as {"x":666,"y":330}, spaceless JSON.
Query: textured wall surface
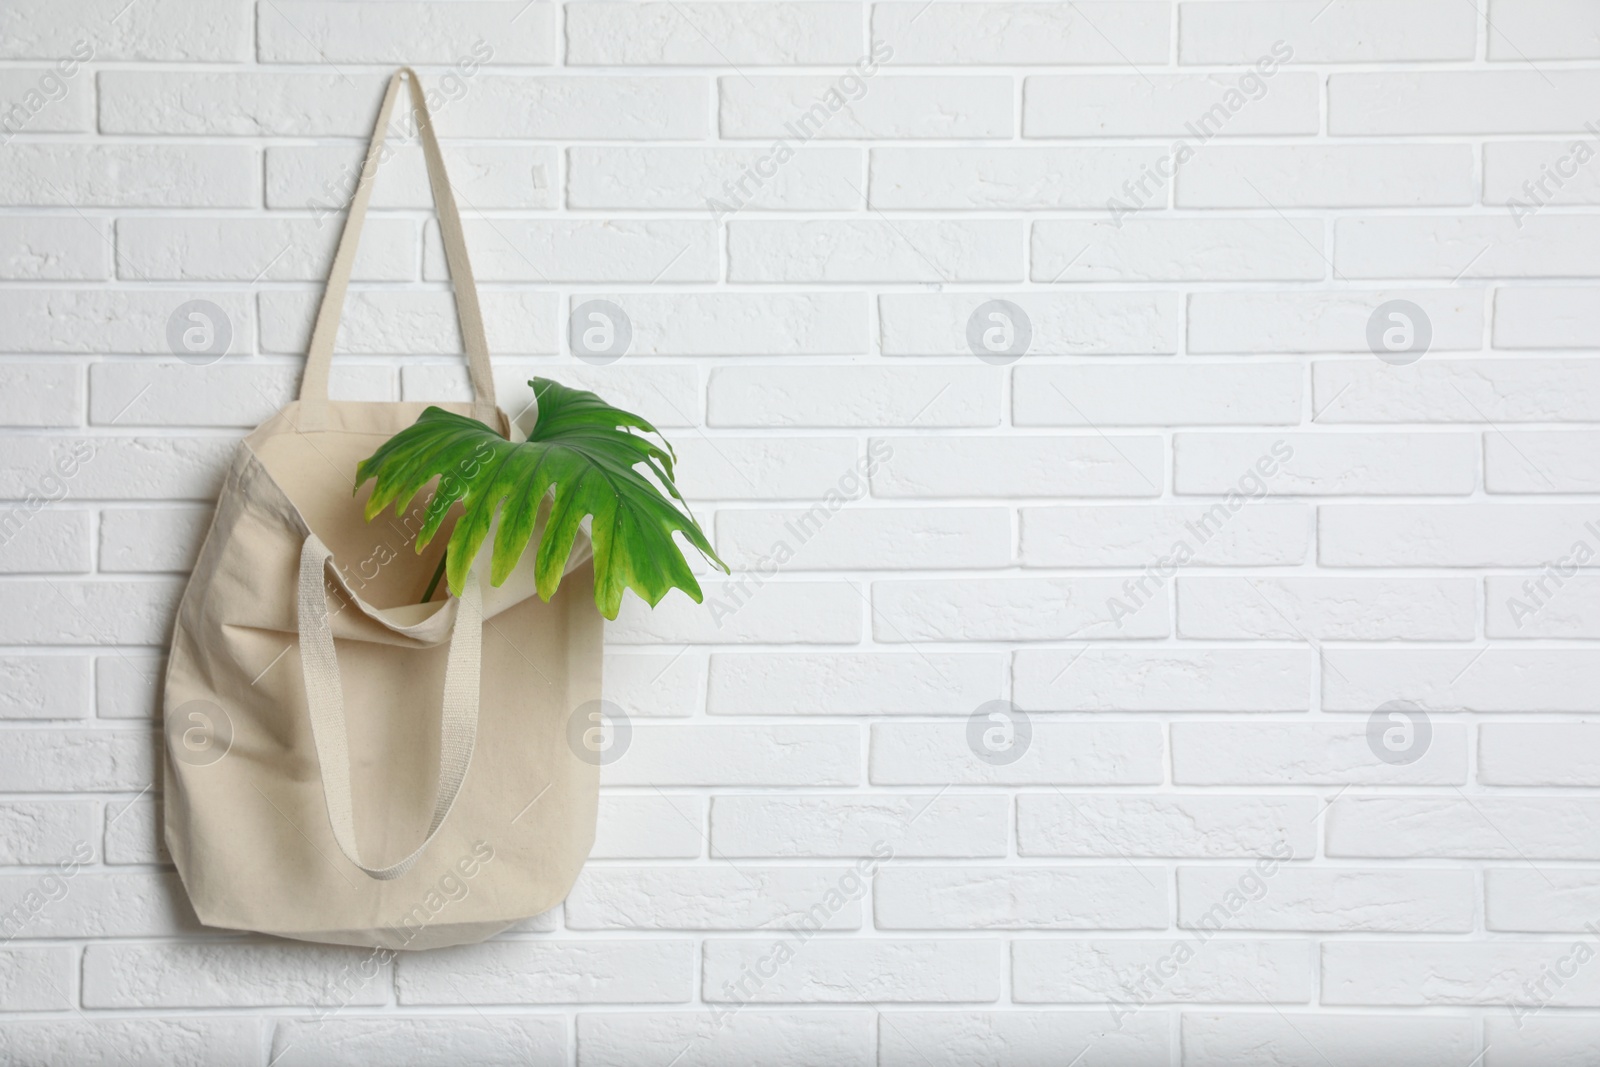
{"x":1156,"y":443}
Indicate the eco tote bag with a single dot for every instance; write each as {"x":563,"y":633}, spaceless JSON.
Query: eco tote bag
{"x":344,"y":764}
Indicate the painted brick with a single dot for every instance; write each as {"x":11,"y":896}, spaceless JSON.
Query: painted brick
{"x":714,"y":180}
{"x":889,"y":106}
{"x":1214,"y":753}
{"x":1006,"y":178}
{"x":41,"y":174}
{"x":1349,"y":31}
{"x":1088,"y":322}
{"x":128,"y":685}
{"x":1345,"y":900}
{"x":172,"y":30}
{"x":1537,"y":753}
{"x":189,"y":1041}
{"x":336,"y":105}
{"x":1229,"y":970}
{"x":44,"y":687}
{"x":230,"y":975}
{"x":1200,"y":826}
{"x":1546,"y":317}
{"x":862,"y":538}
{"x":649,"y":827}
{"x":1304,"y":320}
{"x":1329,"y":609}
{"x":461,"y":34}
{"x":710,"y":1039}
{"x":1491,"y":679}
{"x":1010,"y":609}
{"x":1132,"y":535}
{"x":853,"y":971}
{"x":42,"y":832}
{"x":860,"y":825}
{"x":399,"y":322}
{"x":960,"y":1038}
{"x":321,"y":178}
{"x":1479,"y":101}
{"x":1260,"y":394}
{"x":1415,"y":973}
{"x":1460,"y":825}
{"x":1110,"y":679}
{"x":1496,"y":390}
{"x":1470,"y":246}
{"x":536,"y":1040}
{"x":1228,"y":176}
{"x":1018,"y":465}
{"x":1249,"y":1039}
{"x":1529,"y":901}
{"x":1193,"y":106}
{"x":1055,"y":754}
{"x":616,"y":250}
{"x":1020,"y":898}
{"x":853,"y":396}
{"x":1162,"y":250}
{"x":549,"y":972}
{"x":1450,"y":535}
{"x":1327,"y":464}
{"x":713,"y":34}
{"x":1550,"y":1040}
{"x":722,"y":897}
{"x":720,"y":754}
{"x":742,"y":323}
{"x":1098,"y":34}
{"x":861,"y":251}
{"x":876,"y":683}
{"x":120,"y":321}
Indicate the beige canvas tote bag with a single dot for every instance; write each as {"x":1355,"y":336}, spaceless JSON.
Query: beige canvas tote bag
{"x":343,"y":763}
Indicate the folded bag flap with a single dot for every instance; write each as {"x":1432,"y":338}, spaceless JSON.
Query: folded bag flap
{"x":431,"y":623}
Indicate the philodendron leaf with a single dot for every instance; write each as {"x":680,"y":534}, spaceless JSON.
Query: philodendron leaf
{"x":581,"y":454}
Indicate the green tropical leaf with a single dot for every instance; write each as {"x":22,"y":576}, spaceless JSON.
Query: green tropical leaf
{"x":580,"y":460}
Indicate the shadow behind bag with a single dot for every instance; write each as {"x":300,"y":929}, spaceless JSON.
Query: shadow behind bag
{"x":344,"y":764}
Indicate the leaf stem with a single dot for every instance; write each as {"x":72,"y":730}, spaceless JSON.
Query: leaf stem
{"x":434,"y":582}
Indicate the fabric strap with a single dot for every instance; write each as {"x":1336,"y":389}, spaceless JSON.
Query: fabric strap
{"x":314,"y":384}
{"x":458,"y":729}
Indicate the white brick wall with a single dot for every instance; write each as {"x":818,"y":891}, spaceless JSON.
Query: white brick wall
{"x":1174,"y":499}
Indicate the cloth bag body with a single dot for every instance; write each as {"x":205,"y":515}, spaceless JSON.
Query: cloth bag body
{"x":343,"y":763}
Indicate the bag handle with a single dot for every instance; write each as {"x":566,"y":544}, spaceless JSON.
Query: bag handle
{"x":458,"y":731}
{"x":314,"y":383}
